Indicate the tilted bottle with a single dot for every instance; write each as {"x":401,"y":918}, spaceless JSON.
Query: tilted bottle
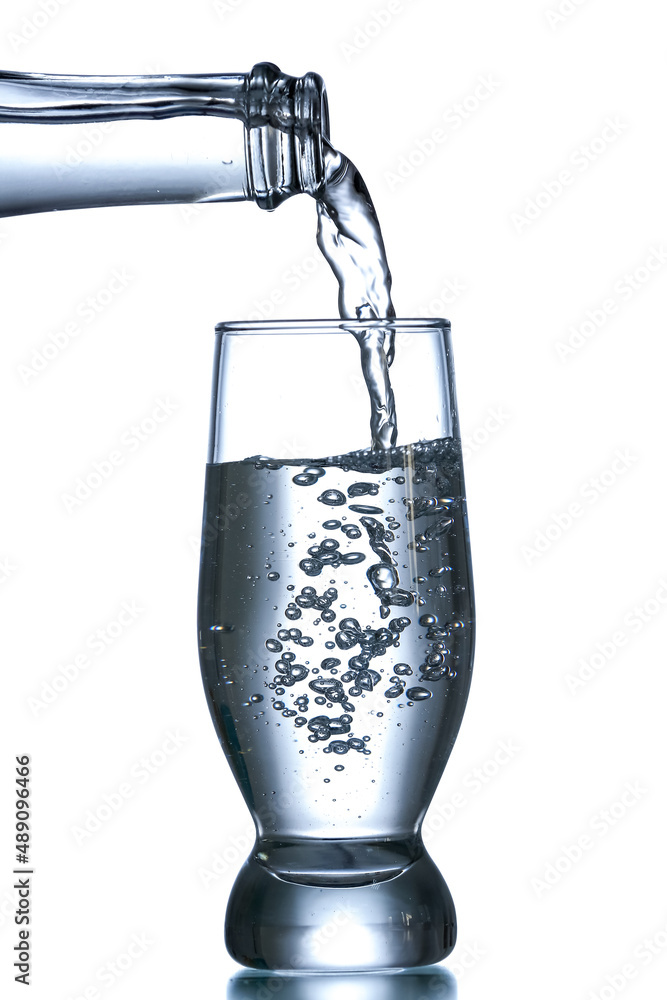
{"x":90,"y":141}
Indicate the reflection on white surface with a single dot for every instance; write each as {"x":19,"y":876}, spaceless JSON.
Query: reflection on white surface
{"x":433,"y":982}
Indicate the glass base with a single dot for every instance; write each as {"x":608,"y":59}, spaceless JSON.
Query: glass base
{"x":281,"y":919}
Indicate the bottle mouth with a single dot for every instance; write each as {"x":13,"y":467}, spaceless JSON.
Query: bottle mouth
{"x":287,"y":122}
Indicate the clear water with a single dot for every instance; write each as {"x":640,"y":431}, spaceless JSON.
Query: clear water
{"x":336,"y":634}
{"x":349,"y":236}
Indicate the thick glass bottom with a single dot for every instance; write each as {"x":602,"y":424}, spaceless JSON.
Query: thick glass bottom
{"x":399,"y":916}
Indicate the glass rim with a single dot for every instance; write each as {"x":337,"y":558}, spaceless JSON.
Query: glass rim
{"x":397,"y":324}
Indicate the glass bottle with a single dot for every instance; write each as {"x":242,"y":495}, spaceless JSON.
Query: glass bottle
{"x":159,"y":139}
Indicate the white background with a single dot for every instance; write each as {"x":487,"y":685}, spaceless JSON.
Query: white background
{"x":543,"y":433}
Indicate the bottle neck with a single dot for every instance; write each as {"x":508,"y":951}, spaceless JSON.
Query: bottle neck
{"x":60,"y":99}
{"x":285,"y":118}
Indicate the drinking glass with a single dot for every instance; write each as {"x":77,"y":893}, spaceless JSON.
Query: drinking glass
{"x":336,"y":633}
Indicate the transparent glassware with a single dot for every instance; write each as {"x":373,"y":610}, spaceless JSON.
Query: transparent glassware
{"x":159,"y":139}
{"x":336,"y":633}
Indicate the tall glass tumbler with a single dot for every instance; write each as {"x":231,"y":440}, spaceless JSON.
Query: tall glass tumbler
{"x":336,"y":632}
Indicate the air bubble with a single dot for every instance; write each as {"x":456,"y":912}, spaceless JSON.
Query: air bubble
{"x":311,"y":567}
{"x":330,"y":662}
{"x":273,"y":645}
{"x":273,"y":576}
{"x":418,"y":694}
{"x":331,"y":525}
{"x":332,"y":498}
{"x":383,"y":577}
{"x":362,"y":489}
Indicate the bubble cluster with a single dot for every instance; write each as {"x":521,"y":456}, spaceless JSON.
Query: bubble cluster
{"x":383,"y":576}
{"x":328,"y":553}
{"x":344,"y":746}
{"x":308,"y":476}
{"x":363,"y":489}
{"x":323,"y":728}
{"x":288,"y":671}
{"x":368,"y":665}
{"x":421,"y":506}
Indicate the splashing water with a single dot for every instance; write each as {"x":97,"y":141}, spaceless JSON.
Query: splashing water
{"x":349,"y":236}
